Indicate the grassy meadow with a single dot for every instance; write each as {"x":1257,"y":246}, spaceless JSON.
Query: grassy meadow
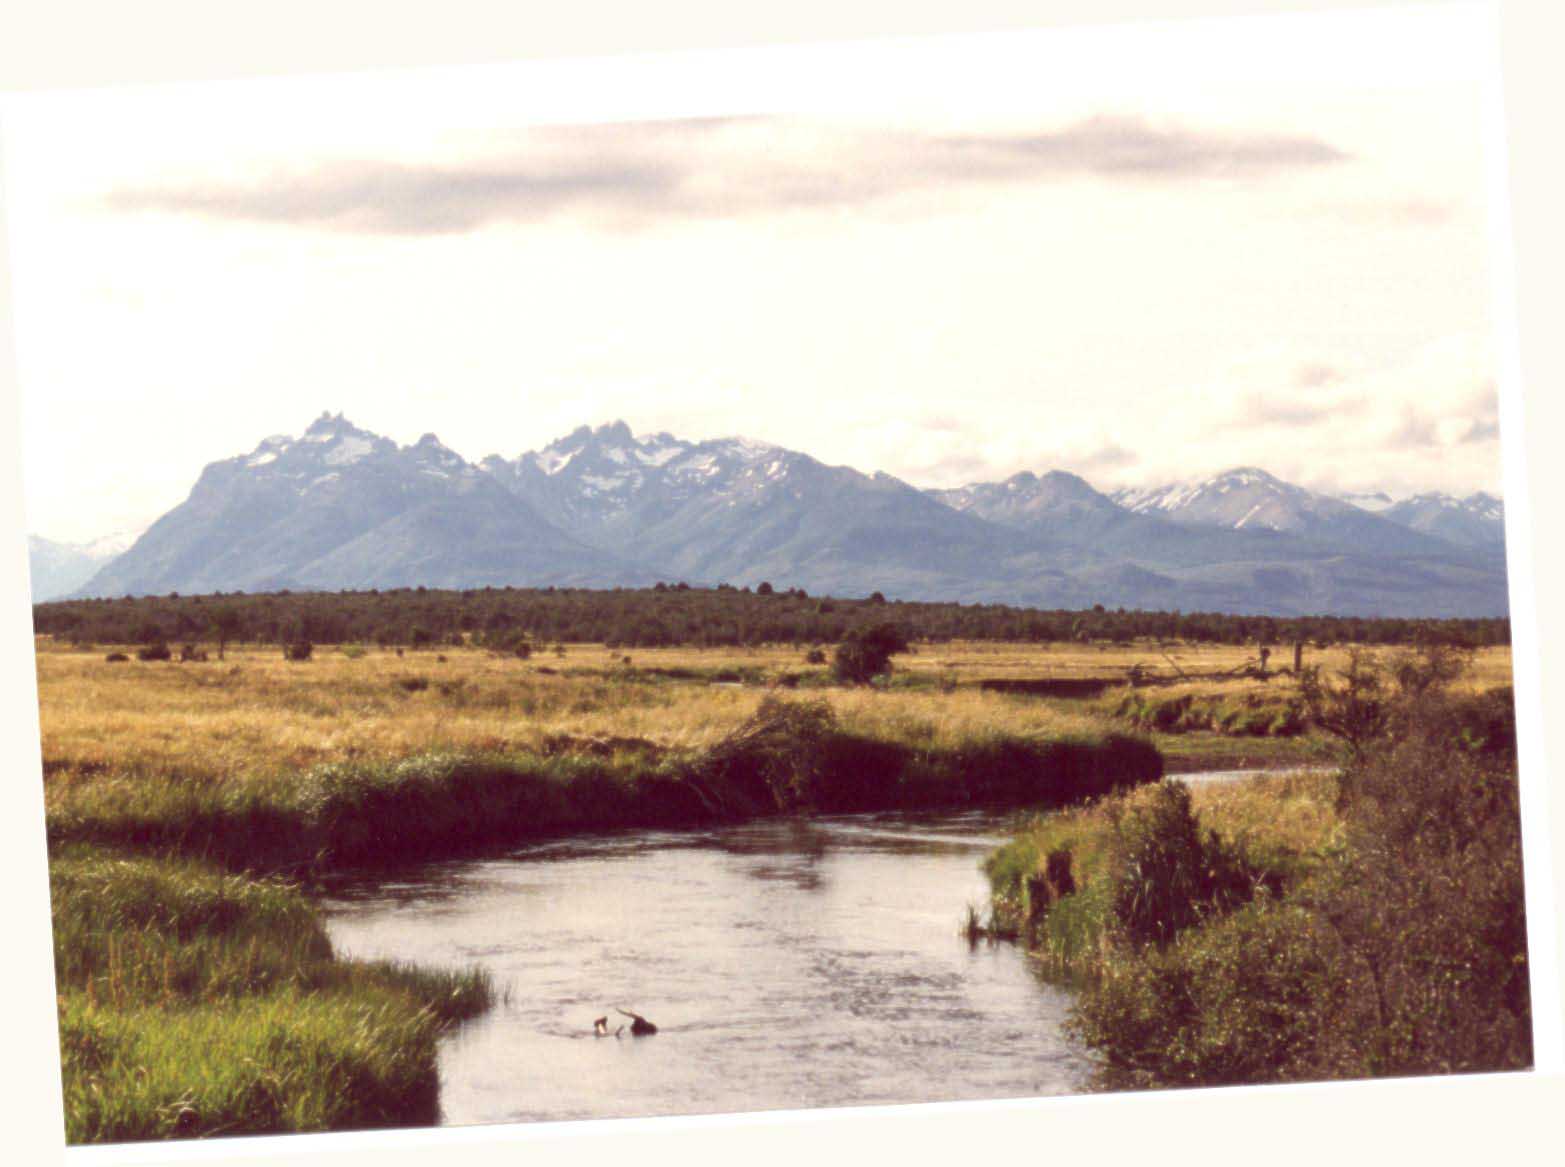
{"x":190,"y":805}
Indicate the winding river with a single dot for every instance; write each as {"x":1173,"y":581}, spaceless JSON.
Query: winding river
{"x":788,"y":963}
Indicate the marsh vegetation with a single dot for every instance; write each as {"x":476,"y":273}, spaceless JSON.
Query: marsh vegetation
{"x":225,"y":789}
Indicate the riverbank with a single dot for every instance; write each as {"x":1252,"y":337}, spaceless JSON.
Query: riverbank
{"x":1367,"y":922}
{"x":789,"y":757}
{"x":195,"y":1003}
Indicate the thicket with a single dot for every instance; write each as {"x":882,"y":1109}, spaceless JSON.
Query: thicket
{"x":1398,"y":947}
{"x":508,"y":618}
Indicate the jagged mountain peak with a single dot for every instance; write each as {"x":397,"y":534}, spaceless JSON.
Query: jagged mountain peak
{"x":1027,"y":499}
{"x":339,"y":506}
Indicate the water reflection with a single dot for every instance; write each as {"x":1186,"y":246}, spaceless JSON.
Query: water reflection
{"x":787,"y":963}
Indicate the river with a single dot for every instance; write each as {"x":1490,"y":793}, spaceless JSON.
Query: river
{"x":788,"y":963}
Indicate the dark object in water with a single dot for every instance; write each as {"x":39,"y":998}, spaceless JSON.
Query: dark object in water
{"x":600,"y":1027}
{"x":639,"y":1025}
{"x":1058,"y":687}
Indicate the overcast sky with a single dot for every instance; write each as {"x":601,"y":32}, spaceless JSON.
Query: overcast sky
{"x":1139,"y":275}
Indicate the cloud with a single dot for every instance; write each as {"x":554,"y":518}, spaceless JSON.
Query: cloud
{"x":722,"y":168}
{"x":1108,"y":457}
{"x":1314,"y":375}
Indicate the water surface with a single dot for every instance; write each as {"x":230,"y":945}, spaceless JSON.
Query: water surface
{"x":787,"y":963}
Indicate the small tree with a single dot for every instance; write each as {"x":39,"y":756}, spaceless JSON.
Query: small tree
{"x":865,"y":653}
{"x":1355,"y":710}
{"x":226,"y":624}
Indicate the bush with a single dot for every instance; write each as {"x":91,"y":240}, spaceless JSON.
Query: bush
{"x":865,"y":653}
{"x":299,"y":650}
{"x":777,"y":758}
{"x":1171,"y":876}
{"x":158,"y":651}
{"x":114,"y":658}
{"x":1255,"y":997}
{"x":1402,"y":951}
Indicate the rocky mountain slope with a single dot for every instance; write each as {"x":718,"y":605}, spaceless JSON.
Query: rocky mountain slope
{"x":340,"y":507}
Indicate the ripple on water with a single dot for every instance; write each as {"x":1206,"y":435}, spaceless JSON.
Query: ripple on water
{"x":788,"y":963}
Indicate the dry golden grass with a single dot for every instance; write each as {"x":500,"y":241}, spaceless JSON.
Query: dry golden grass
{"x":257,"y":714}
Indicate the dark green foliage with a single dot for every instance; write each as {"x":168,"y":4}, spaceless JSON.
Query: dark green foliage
{"x":1173,"y":876}
{"x":1250,"y":998}
{"x":865,"y":653}
{"x":683,"y":615}
{"x":299,"y":650}
{"x":1403,"y":950}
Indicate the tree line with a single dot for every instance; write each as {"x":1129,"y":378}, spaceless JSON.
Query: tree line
{"x":677,"y":614}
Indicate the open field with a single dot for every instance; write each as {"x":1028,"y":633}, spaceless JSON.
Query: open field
{"x":257,"y":716}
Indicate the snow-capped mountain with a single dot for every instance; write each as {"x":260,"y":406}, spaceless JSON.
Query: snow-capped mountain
{"x":608,"y":480}
{"x":57,"y":569}
{"x":341,"y":507}
{"x":741,"y":511}
{"x":1248,"y":498}
{"x":1027,"y":498}
{"x":1374,"y":501}
{"x":1475,"y":521}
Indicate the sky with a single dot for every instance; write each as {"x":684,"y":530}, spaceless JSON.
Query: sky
{"x":1130,"y":255}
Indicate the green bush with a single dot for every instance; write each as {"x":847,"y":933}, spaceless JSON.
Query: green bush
{"x":1401,"y":951}
{"x":865,"y":653}
{"x":1170,"y":876}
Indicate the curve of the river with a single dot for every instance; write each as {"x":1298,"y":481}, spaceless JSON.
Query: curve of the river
{"x":788,"y":963}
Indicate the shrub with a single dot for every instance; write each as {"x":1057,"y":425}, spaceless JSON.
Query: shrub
{"x":1402,"y":951}
{"x":114,"y":658}
{"x":1172,"y":877}
{"x":299,"y":650}
{"x":1255,"y":997}
{"x":865,"y":653}
{"x":777,"y":758}
{"x":158,"y":651}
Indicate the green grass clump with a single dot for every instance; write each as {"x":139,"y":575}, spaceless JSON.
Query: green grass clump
{"x":196,"y":1002}
{"x":1247,"y":715}
{"x":281,"y":1062}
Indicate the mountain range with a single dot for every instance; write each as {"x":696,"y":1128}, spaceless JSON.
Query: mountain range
{"x":342,"y":508}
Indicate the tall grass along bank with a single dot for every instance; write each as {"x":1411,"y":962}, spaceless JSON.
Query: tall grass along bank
{"x":194,"y":1002}
{"x":1364,"y":923}
{"x":788,"y":757}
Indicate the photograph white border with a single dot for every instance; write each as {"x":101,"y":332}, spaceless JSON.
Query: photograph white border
{"x":75,"y":44}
